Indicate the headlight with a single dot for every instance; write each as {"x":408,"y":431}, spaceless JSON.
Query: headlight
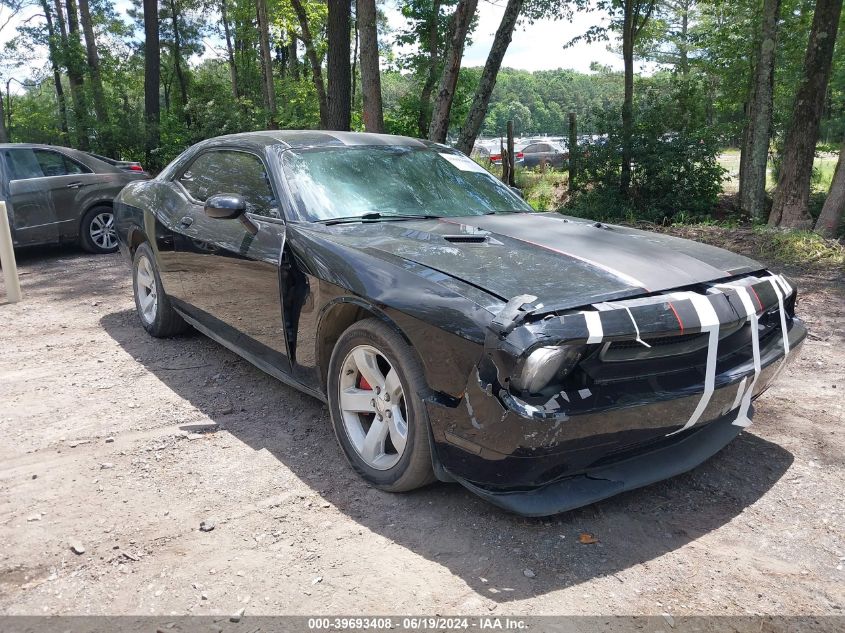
{"x":544,"y":364}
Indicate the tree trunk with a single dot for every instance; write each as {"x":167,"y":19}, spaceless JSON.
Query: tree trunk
{"x":353,"y":74}
{"x":93,"y":58}
{"x":633,"y":23}
{"x":462,"y":18}
{"x":313,"y":61}
{"x":481,"y":100}
{"x":293,"y":62}
{"x":267,"y":84}
{"x":834,"y":205}
{"x":152,"y":82}
{"x":338,"y":66}
{"x":792,"y":196}
{"x":424,"y":118}
{"x":72,"y":52}
{"x":177,"y":62}
{"x":573,"y":152}
{"x":57,"y":75}
{"x":230,"y":51}
{"x":628,"y":102}
{"x":752,"y":184}
{"x":683,"y":40}
{"x":745,"y":149}
{"x":370,"y":73}
{"x":4,"y":133}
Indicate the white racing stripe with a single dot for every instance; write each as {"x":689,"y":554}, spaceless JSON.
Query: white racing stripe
{"x":709,"y":323}
{"x":594,"y":327}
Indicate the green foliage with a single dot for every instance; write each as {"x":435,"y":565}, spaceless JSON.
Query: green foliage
{"x":686,"y":110}
{"x":675,"y":167}
{"x":543,"y":189}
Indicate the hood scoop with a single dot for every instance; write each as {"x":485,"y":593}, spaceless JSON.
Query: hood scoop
{"x":472,"y":240}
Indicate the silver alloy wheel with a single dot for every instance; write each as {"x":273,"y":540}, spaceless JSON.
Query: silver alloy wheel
{"x":102,"y":230}
{"x":373,"y":407}
{"x":146,"y":289}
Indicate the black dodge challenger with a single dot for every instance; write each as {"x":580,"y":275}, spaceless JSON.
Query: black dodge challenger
{"x":543,"y":362}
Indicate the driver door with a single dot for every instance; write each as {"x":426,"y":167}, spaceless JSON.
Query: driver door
{"x":230,"y":275}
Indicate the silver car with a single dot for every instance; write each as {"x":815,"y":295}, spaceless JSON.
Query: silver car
{"x":56,"y":194}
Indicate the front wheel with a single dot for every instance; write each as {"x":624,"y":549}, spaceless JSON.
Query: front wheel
{"x":379,"y":419}
{"x":97,"y":233}
{"x":157,"y":315}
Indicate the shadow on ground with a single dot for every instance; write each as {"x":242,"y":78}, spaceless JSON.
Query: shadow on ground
{"x":488,"y":549}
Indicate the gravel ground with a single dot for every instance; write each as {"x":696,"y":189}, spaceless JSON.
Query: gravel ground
{"x":115,"y":447}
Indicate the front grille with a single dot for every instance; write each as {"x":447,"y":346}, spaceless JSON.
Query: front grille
{"x":626,"y":360}
{"x":660,"y":347}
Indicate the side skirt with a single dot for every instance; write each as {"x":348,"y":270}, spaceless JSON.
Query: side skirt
{"x":252,"y":358}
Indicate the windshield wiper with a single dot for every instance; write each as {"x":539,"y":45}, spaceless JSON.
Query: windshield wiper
{"x":375,"y":215}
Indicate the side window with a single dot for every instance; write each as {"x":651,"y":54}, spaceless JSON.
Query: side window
{"x":74,"y":168}
{"x":201,"y":175}
{"x":231,"y":172}
{"x":22,"y":164}
{"x":531,"y":149}
{"x":52,"y":163}
{"x":57,"y":164}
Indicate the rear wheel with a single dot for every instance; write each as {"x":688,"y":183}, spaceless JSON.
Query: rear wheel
{"x":97,"y":233}
{"x":379,"y":419}
{"x":157,"y":315}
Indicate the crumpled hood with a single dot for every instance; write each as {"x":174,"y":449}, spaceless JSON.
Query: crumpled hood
{"x":565,"y":262}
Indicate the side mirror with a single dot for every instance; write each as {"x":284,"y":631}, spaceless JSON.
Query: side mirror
{"x":225,"y":206}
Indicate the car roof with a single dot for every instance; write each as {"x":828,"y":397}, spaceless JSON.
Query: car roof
{"x":315,"y":138}
{"x":32,"y":146}
{"x":88,"y":159}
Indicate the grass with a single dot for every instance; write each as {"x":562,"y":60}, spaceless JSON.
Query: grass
{"x":824,"y":165}
{"x":802,"y":247}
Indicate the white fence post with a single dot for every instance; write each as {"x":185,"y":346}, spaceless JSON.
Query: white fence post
{"x":7,"y":258}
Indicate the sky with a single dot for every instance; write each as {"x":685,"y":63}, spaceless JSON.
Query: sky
{"x":537,"y":46}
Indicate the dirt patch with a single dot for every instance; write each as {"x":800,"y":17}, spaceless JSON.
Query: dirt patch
{"x":124,"y":444}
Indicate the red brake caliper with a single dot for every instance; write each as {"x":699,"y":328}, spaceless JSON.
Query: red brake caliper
{"x":363,"y":384}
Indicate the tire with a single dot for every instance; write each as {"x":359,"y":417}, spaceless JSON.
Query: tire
{"x":378,"y":348}
{"x":96,"y":232}
{"x":157,"y":315}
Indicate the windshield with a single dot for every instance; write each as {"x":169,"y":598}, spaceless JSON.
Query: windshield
{"x":343,"y":182}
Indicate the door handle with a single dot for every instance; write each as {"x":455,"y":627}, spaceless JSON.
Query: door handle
{"x":73,"y":185}
{"x":186,"y":221}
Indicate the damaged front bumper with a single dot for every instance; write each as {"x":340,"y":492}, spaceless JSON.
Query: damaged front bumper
{"x":602,"y":482}
{"x":668,"y":381}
